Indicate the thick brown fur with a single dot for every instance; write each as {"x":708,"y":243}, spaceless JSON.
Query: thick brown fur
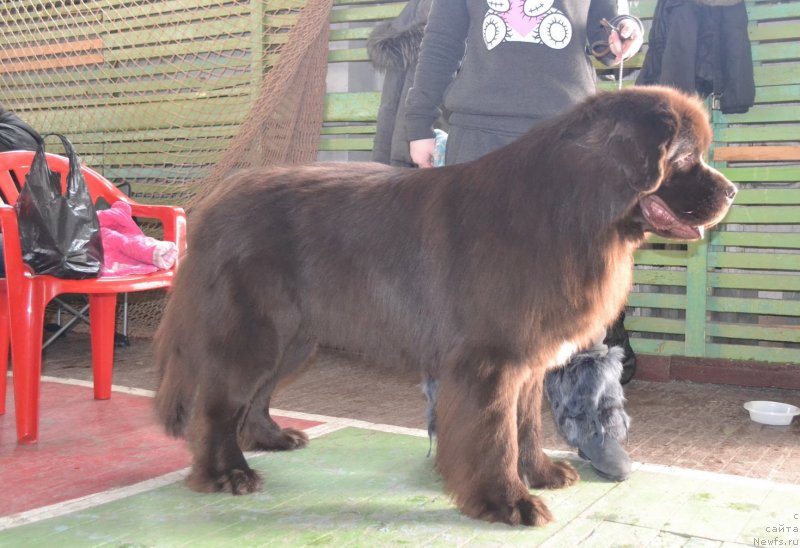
{"x":480,"y":274}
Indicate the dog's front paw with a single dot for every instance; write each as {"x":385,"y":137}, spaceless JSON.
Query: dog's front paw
{"x":236,"y":481}
{"x":525,"y":510}
{"x":555,"y":475}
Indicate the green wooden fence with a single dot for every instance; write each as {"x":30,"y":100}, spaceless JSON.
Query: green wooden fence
{"x":152,"y":92}
{"x":735,"y":295}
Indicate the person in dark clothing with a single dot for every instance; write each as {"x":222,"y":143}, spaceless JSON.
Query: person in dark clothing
{"x":499,"y":68}
{"x":393,"y":48}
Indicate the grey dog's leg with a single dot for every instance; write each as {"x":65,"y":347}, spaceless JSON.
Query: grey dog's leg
{"x":588,"y":407}
{"x":430,"y":387}
{"x":587,"y":398}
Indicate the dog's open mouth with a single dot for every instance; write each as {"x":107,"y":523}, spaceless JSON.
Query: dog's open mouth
{"x":665,"y":223}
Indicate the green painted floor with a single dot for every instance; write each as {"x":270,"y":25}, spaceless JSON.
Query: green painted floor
{"x":361,"y":487}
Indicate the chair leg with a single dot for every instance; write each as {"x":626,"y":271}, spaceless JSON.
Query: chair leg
{"x":102,"y":316}
{"x":3,"y":352}
{"x":26,"y":319}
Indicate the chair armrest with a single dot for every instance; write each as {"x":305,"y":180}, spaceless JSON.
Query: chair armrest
{"x":172,"y":218}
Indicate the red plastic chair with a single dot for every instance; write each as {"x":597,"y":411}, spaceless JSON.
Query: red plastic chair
{"x":24,"y":296}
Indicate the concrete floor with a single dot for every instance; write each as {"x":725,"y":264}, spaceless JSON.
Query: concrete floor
{"x":691,"y":425}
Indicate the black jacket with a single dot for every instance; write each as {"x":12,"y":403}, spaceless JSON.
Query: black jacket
{"x":393,"y":48}
{"x":702,"y":46}
{"x":16,"y":134}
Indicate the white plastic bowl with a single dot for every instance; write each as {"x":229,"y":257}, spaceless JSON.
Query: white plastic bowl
{"x":772,"y":412}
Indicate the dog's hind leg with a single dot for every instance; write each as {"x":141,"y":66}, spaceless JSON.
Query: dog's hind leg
{"x":258,"y":431}
{"x":477,"y":441}
{"x":535,"y":467}
{"x":242,"y":362}
{"x":218,"y":464}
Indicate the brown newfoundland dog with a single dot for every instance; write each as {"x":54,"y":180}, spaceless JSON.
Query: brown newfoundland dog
{"x":480,"y":274}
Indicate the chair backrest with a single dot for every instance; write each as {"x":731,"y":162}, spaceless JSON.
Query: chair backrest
{"x":14,"y":167}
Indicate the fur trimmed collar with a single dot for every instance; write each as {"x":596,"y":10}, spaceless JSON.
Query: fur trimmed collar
{"x":392,"y":48}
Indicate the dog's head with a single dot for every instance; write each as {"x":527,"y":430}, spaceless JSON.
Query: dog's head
{"x":656,"y":139}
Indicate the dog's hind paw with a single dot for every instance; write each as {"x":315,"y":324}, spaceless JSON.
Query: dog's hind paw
{"x":556,"y":476}
{"x":242,"y":482}
{"x":527,"y":510}
{"x":236,"y":481}
{"x":285,"y":439}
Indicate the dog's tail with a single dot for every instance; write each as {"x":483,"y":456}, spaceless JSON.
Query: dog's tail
{"x":177,"y":385}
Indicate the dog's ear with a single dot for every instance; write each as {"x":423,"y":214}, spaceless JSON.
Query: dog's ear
{"x":639,"y":142}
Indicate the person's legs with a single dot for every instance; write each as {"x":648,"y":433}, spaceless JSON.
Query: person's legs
{"x":467,"y":144}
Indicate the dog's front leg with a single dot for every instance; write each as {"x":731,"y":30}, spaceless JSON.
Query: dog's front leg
{"x":535,"y":467}
{"x":477,"y":442}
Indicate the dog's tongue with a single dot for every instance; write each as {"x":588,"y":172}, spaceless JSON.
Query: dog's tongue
{"x":664,"y":221}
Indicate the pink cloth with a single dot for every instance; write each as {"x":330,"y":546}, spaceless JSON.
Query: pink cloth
{"x":126,"y":250}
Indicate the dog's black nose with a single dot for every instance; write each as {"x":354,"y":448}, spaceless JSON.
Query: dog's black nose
{"x":730,"y":192}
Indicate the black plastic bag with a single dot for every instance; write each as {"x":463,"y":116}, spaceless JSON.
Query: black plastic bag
{"x":59,"y":233}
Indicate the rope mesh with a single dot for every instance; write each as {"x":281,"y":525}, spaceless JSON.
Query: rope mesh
{"x":169,"y":95}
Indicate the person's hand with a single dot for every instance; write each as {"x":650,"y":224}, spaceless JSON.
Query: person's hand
{"x":421,"y":152}
{"x":625,"y":41}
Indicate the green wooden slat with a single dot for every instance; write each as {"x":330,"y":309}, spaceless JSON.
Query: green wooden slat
{"x":644,"y":324}
{"x":758,"y":239}
{"x":188,"y":173}
{"x":643,"y":9}
{"x":117,"y":91}
{"x":754,"y":332}
{"x":346,"y":3}
{"x":348,"y":129}
{"x":135,"y":158}
{"x":762,"y":174}
{"x":211,"y":43}
{"x":346,"y":144}
{"x":757,"y":134}
{"x":775,"y":52}
{"x":766,"y":113}
{"x":760,"y":281}
{"x":112,"y":118}
{"x":786,"y":196}
{"x":657,"y":300}
{"x":777,"y":94}
{"x":371,"y":13}
{"x":753,"y":353}
{"x":660,"y":257}
{"x":657,"y":347}
{"x":280,"y":20}
{"x":353,"y":106}
{"x":776,"y":31}
{"x":759,"y":261}
{"x":659,"y":277}
{"x":773,"y":307}
{"x":776,"y":74}
{"x":762,"y":12}
{"x":144,"y":17}
{"x":339,"y":35}
{"x":168,"y":10}
{"x":347,"y":55}
{"x":763,"y":214}
{"x":139,"y":72}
